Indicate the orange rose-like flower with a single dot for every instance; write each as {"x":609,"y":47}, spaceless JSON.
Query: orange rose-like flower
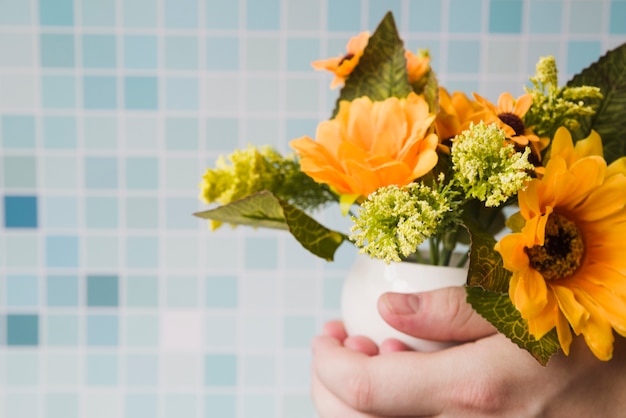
{"x":343,"y":65}
{"x":417,"y":65}
{"x":369,"y":145}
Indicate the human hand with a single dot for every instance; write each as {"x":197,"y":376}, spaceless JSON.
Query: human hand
{"x":487,"y":375}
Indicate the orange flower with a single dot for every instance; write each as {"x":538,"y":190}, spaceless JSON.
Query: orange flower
{"x":343,"y":65}
{"x":417,"y":65}
{"x":458,"y":112}
{"x":568,"y":266}
{"x":369,"y":145}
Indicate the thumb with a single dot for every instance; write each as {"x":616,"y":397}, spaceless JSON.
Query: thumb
{"x":439,"y":315}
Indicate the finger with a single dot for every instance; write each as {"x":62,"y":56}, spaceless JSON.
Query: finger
{"x":439,"y":315}
{"x":327,"y":405}
{"x":361,"y":344}
{"x":392,"y":345}
{"x":335,"y":329}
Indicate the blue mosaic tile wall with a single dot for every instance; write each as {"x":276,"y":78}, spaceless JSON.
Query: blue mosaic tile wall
{"x":114,"y":300}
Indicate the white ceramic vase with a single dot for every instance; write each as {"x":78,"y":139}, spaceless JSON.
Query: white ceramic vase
{"x":369,"y":278}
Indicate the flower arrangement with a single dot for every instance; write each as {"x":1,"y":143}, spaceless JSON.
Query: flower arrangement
{"x":416,"y":166}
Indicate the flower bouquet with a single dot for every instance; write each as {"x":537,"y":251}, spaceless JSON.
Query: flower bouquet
{"x":423,"y":173}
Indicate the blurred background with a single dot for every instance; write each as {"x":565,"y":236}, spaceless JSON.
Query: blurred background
{"x":114,"y":300}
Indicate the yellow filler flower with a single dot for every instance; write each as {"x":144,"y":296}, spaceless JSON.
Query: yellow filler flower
{"x":369,"y":145}
{"x":568,"y":264}
{"x":343,"y":65}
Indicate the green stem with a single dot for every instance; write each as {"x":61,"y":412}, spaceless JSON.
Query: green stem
{"x":434,"y":251}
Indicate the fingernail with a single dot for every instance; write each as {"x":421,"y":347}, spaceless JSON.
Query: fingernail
{"x":401,"y":304}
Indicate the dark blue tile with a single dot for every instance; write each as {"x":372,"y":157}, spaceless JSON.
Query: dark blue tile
{"x":22,"y":329}
{"x":20,"y":212}
{"x":102,"y":290}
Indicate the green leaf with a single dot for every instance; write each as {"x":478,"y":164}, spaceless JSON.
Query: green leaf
{"x":264,"y":209}
{"x":485,"y":269}
{"x":516,"y":222}
{"x":609,"y":74}
{"x":498,"y":309}
{"x":381,"y":72}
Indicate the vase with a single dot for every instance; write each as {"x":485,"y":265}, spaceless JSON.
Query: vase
{"x":369,"y":278}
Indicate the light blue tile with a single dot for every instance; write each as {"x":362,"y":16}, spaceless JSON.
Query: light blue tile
{"x":181,"y":253}
{"x":263,"y":54}
{"x":221,"y":331}
{"x":101,"y":212}
{"x":181,"y":292}
{"x":100,"y":133}
{"x":546,"y":16}
{"x":61,"y":405}
{"x":142,"y":173}
{"x":22,"y":405}
{"x":258,"y":406}
{"x":304,"y":14}
{"x":259,"y":370}
{"x":99,"y":92}
{"x":301,"y":52}
{"x":222,"y":134}
{"x":22,"y":369}
{"x":140,"y":52}
{"x":62,"y":330}
{"x":181,"y":13}
{"x":222,"y":252}
{"x":586,"y":17}
{"x":101,"y":252}
{"x":223,"y":406}
{"x":60,"y":212}
{"x":142,"y":212}
{"x":181,"y":93}
{"x":101,"y":369}
{"x":141,"y":405}
{"x":580,"y":54}
{"x":260,"y":331}
{"x":142,"y":330}
{"x":181,"y":53}
{"x":181,"y":134}
{"x":15,"y":12}
{"x":56,"y":12}
{"x":102,"y":291}
{"x":22,"y":329}
{"x":301,"y":95}
{"x":182,"y":174}
{"x":222,"y":94}
{"x":142,"y":370}
{"x":101,"y":172}
{"x":179,"y":405}
{"x":56,"y":50}
{"x":222,"y":53}
{"x":263,"y":15}
{"x":424,"y":16}
{"x":378,"y":9}
{"x":221,"y":292}
{"x":142,"y":291}
{"x":298,"y":331}
{"x":61,"y":251}
{"x":222,"y":14}
{"x":62,"y":290}
{"x":261,"y":94}
{"x":142,"y":252}
{"x":21,"y":250}
{"x":464,"y":57}
{"x":617,"y":23}
{"x":332,"y":292}
{"x":344,"y":16}
{"x":59,"y":132}
{"x":141,"y":133}
{"x":220,"y":370}
{"x":297,"y":406}
{"x":296,"y":370}
{"x":22,"y":291}
{"x":99,"y":51}
{"x":17,"y":131}
{"x":102,"y":330}
{"x":19,"y":172}
{"x":503,"y":56}
{"x":58,"y":92}
{"x":261,"y":253}
{"x":60,"y":172}
{"x":505,"y":16}
{"x":16,"y":49}
{"x":140,"y":13}
{"x":98,"y":12}
{"x":296,"y":128}
{"x":465,"y":16}
{"x":141,"y":93}
{"x":178,"y":213}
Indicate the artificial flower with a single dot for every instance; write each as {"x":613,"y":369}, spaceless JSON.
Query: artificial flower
{"x":417,"y":65}
{"x":343,"y":65}
{"x":567,"y":263}
{"x":370,"y":144}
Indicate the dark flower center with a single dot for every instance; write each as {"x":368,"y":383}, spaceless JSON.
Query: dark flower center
{"x":562,"y":252}
{"x":346,"y":57}
{"x":513,"y":121}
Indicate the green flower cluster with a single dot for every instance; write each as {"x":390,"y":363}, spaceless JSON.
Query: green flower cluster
{"x":394,"y":220}
{"x":253,"y":169}
{"x":553,"y":106}
{"x":486,"y":166}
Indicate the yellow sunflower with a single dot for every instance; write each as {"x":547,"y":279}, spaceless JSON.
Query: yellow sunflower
{"x":568,"y":264}
{"x":343,"y":65}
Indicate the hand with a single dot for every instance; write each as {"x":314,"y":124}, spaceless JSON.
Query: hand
{"x":485,"y":376}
